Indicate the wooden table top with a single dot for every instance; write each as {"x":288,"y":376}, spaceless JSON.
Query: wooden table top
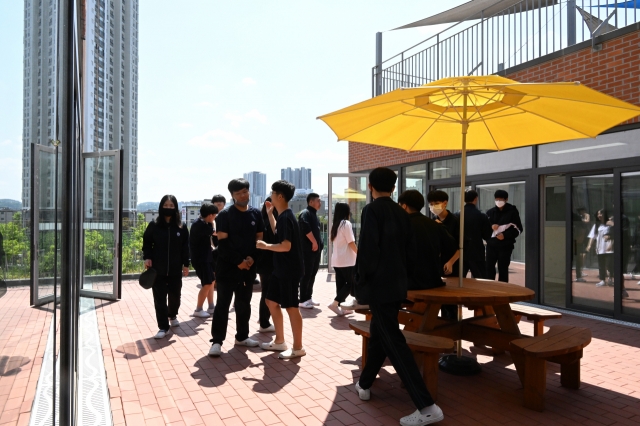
{"x":473,"y":292}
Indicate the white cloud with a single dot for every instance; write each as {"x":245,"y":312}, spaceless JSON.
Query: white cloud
{"x":218,"y":139}
{"x":327,"y":154}
{"x":185,"y":125}
{"x":236,"y":119}
{"x":248,"y":81}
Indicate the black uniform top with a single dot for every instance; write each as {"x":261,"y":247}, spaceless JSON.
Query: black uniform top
{"x":508,"y":214}
{"x":200,"y":242}
{"x":308,"y":221}
{"x":431,"y":240}
{"x":452,"y":224}
{"x":476,"y":229}
{"x":167,"y":245}
{"x":290,"y":264}
{"x":241,"y":228}
{"x":386,"y":248}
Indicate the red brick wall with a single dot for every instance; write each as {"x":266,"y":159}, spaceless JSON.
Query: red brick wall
{"x":614,"y":70}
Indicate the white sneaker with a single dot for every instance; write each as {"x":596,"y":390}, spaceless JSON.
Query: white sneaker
{"x":201,"y":314}
{"x":417,"y":419}
{"x":267,"y":329}
{"x":174,"y":322}
{"x":313,"y":302}
{"x":336,"y":309}
{"x":290,"y":353}
{"x":160,"y":334}
{"x":306,"y":305}
{"x":273,"y":346}
{"x":211,"y":308}
{"x":248,"y":342}
{"x":601,"y":284}
{"x":216,"y":350}
{"x":364,"y":394}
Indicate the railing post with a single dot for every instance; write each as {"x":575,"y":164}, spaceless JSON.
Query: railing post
{"x":571,"y":22}
{"x":378,"y":74}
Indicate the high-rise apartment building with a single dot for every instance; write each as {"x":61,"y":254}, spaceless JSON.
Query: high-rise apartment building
{"x":300,"y":178}
{"x":110,"y":93}
{"x":258,"y":187}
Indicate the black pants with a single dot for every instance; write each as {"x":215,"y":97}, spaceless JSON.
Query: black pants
{"x":264,"y":314}
{"x":311,"y":265}
{"x":502,"y":256}
{"x":477,"y":267}
{"x":345,"y":280}
{"x":388,"y":341}
{"x":164,"y":286}
{"x":605,"y":263}
{"x":242,"y":304}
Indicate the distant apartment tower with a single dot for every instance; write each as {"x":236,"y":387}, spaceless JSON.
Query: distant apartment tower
{"x":300,"y":178}
{"x":258,"y":187}
{"x":110,"y":93}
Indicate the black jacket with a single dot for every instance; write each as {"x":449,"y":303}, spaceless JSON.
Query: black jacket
{"x":432,"y":239}
{"x":385,"y":249}
{"x":508,"y":214}
{"x":200,"y":242}
{"x":308,"y":221}
{"x":476,"y":229}
{"x":167,"y":245}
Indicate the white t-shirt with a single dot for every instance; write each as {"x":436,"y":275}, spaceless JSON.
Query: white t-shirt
{"x":603,"y":245}
{"x":342,"y":255}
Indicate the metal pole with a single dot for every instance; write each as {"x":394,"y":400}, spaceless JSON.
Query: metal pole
{"x":378,"y":63}
{"x":571,"y":22}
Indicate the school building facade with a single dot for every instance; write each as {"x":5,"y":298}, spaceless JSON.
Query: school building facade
{"x":558,"y":188}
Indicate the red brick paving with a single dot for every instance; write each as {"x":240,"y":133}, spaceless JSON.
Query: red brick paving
{"x":172,"y":381}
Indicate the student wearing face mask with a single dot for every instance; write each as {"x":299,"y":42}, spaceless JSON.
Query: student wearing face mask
{"x":506,"y":226}
{"x":438,"y":201}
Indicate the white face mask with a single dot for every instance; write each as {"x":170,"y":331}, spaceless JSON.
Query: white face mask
{"x":499,"y":204}
{"x":436,"y":209}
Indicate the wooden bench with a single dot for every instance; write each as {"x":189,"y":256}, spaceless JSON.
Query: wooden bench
{"x":429,"y":347}
{"x":563,"y":345}
{"x":537,"y":315}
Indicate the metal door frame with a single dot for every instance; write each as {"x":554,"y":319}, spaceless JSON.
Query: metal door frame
{"x":330,"y":209}
{"x":117,"y":230}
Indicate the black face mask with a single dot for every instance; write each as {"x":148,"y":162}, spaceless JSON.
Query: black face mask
{"x":167,"y":212}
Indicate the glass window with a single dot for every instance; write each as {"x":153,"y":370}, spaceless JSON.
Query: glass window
{"x":630,"y":185}
{"x":605,"y":147}
{"x":500,"y":161}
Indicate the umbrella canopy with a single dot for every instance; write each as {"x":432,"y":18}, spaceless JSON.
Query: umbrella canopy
{"x":500,"y":114}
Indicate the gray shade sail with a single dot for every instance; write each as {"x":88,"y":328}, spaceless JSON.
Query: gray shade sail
{"x":476,"y":9}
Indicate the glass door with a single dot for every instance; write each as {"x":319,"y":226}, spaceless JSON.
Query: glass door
{"x":102,"y":216}
{"x":350,"y":188}
{"x":45,"y":224}
{"x":592,"y":264}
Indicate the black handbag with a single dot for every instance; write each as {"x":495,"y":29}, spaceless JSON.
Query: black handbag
{"x":147,"y":278}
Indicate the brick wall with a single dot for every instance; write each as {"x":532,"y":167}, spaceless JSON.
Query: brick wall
{"x":614,"y":70}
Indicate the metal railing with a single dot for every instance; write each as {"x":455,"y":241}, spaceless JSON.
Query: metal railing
{"x":513,"y":36}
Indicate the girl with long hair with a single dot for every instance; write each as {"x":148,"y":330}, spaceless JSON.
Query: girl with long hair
{"x":602,"y":234}
{"x":165,"y":245}
{"x":343,"y":258}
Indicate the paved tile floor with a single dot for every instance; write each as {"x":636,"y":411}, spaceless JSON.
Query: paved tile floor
{"x":172,"y":381}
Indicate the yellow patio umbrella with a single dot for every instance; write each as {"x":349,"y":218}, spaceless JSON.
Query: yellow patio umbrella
{"x":479,"y":113}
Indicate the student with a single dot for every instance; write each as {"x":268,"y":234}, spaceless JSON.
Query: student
{"x":432,"y":239}
{"x":165,"y":247}
{"x":343,"y":257}
{"x":312,"y":246}
{"x":238,"y":228}
{"x":385,"y":249}
{"x":476,"y":229}
{"x":288,"y":267}
{"x":200,"y":246}
{"x":506,"y":225}
{"x":265,"y":269}
{"x":438,"y":201}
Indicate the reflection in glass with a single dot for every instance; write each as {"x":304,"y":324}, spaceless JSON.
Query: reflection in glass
{"x":592,"y":257}
{"x":554,"y":241}
{"x":631,"y":243}
{"x":486,"y":200}
{"x":415,"y":177}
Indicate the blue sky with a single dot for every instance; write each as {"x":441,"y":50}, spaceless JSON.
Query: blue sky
{"x":231,"y":87}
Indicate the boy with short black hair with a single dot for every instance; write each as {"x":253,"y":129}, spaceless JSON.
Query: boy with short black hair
{"x":288,"y":268}
{"x":201,"y":250}
{"x":385,"y":251}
